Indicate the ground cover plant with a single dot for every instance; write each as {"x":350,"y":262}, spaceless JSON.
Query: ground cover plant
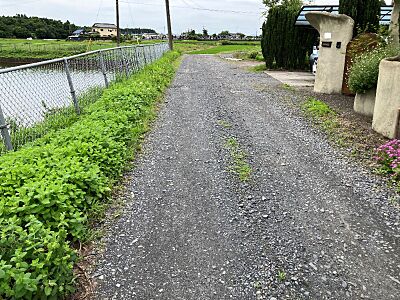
{"x":50,"y":188}
{"x":388,"y":158}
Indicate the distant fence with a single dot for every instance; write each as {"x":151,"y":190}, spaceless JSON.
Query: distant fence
{"x":41,"y":97}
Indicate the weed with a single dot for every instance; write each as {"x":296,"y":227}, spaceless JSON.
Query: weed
{"x":281,"y":275}
{"x":288,"y":87}
{"x":239,"y":165}
{"x":259,"y":68}
{"x":224,"y":124}
{"x":317,"y":108}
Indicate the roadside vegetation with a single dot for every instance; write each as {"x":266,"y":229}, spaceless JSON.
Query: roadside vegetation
{"x":364,"y":73}
{"x":54,"y":188}
{"x":221,"y":48}
{"x":322,"y":114}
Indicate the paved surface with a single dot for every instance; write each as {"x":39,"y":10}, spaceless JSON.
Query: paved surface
{"x":193,"y":231}
{"x":297,"y":79}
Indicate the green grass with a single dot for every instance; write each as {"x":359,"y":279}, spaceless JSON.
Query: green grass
{"x":224,"y":124}
{"x":318,"y":108}
{"x":240,"y":166}
{"x":54,"y":119}
{"x":288,"y":87}
{"x":44,"y":49}
{"x":259,"y":68}
{"x":228,"y":48}
{"x":326,"y":117}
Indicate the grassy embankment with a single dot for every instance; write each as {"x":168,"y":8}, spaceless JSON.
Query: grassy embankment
{"x":54,"y":188}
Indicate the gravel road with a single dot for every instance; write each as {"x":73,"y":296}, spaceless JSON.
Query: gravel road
{"x":309,"y":224}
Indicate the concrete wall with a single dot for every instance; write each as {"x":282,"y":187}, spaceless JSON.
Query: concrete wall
{"x":364,"y":104}
{"x":387,"y":102}
{"x":333,"y":29}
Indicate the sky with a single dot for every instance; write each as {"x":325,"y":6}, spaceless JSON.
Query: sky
{"x":215,"y":15}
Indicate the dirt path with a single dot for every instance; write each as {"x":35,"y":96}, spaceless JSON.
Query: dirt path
{"x":308,"y":224}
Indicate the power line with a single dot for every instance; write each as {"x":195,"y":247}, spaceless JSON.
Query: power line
{"x":196,"y":8}
{"x":98,"y":11}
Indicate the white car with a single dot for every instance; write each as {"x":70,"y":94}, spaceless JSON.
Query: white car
{"x":314,"y":60}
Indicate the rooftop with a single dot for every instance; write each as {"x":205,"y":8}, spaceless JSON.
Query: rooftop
{"x":104,"y":25}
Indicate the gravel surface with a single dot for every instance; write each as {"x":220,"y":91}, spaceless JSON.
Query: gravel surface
{"x":309,"y":224}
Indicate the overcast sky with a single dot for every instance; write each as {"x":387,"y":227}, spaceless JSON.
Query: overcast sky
{"x":233,"y":15}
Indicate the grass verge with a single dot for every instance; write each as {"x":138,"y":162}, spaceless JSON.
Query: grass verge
{"x":259,"y":68}
{"x":229,"y":48}
{"x":53,"y":188}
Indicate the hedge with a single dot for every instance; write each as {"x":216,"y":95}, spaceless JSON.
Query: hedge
{"x":284,"y":45}
{"x":49,"y":189}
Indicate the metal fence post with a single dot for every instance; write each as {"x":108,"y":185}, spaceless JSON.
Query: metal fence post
{"x":144,"y":56}
{"x":71,"y":87}
{"x":4,"y":131}
{"x":137,"y":60}
{"x":124,"y":62}
{"x":103,"y":69}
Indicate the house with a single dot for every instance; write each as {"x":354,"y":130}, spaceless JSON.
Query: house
{"x":105,"y":30}
{"x":77,"y":35}
{"x":153,"y":36}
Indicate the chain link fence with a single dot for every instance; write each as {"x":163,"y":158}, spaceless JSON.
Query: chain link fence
{"x":38,"y":98}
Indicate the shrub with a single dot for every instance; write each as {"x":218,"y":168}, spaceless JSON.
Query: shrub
{"x":50,"y":188}
{"x":226,"y":42}
{"x":388,"y":156}
{"x":252,"y":54}
{"x":365,"y":69}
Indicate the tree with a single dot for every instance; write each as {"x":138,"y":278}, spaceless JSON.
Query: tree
{"x":224,"y":33}
{"x":283,"y":44}
{"x":365,"y":14}
{"x":394,"y":23}
{"x":21,"y":26}
{"x":205,"y":32}
{"x":286,"y":3}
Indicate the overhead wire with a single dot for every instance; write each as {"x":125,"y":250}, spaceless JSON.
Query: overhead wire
{"x":196,"y":8}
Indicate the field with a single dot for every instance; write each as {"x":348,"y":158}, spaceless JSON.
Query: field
{"x":48,"y":49}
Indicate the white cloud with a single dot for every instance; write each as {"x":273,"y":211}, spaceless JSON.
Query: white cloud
{"x":150,"y":13}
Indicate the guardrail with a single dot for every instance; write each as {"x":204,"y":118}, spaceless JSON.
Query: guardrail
{"x":40,"y":97}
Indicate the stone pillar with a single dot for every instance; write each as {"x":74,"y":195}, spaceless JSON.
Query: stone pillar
{"x":336,"y":31}
{"x":387,"y":103}
{"x":364,"y":104}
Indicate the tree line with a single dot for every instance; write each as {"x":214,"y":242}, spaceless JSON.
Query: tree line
{"x":21,"y":26}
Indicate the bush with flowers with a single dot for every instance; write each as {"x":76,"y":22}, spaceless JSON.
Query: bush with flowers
{"x":388,"y":156}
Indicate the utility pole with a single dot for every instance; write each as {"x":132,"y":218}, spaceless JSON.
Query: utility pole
{"x":118,"y":31}
{"x":171,"y":44}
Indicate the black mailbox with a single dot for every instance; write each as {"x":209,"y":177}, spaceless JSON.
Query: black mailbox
{"x":327,"y":44}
